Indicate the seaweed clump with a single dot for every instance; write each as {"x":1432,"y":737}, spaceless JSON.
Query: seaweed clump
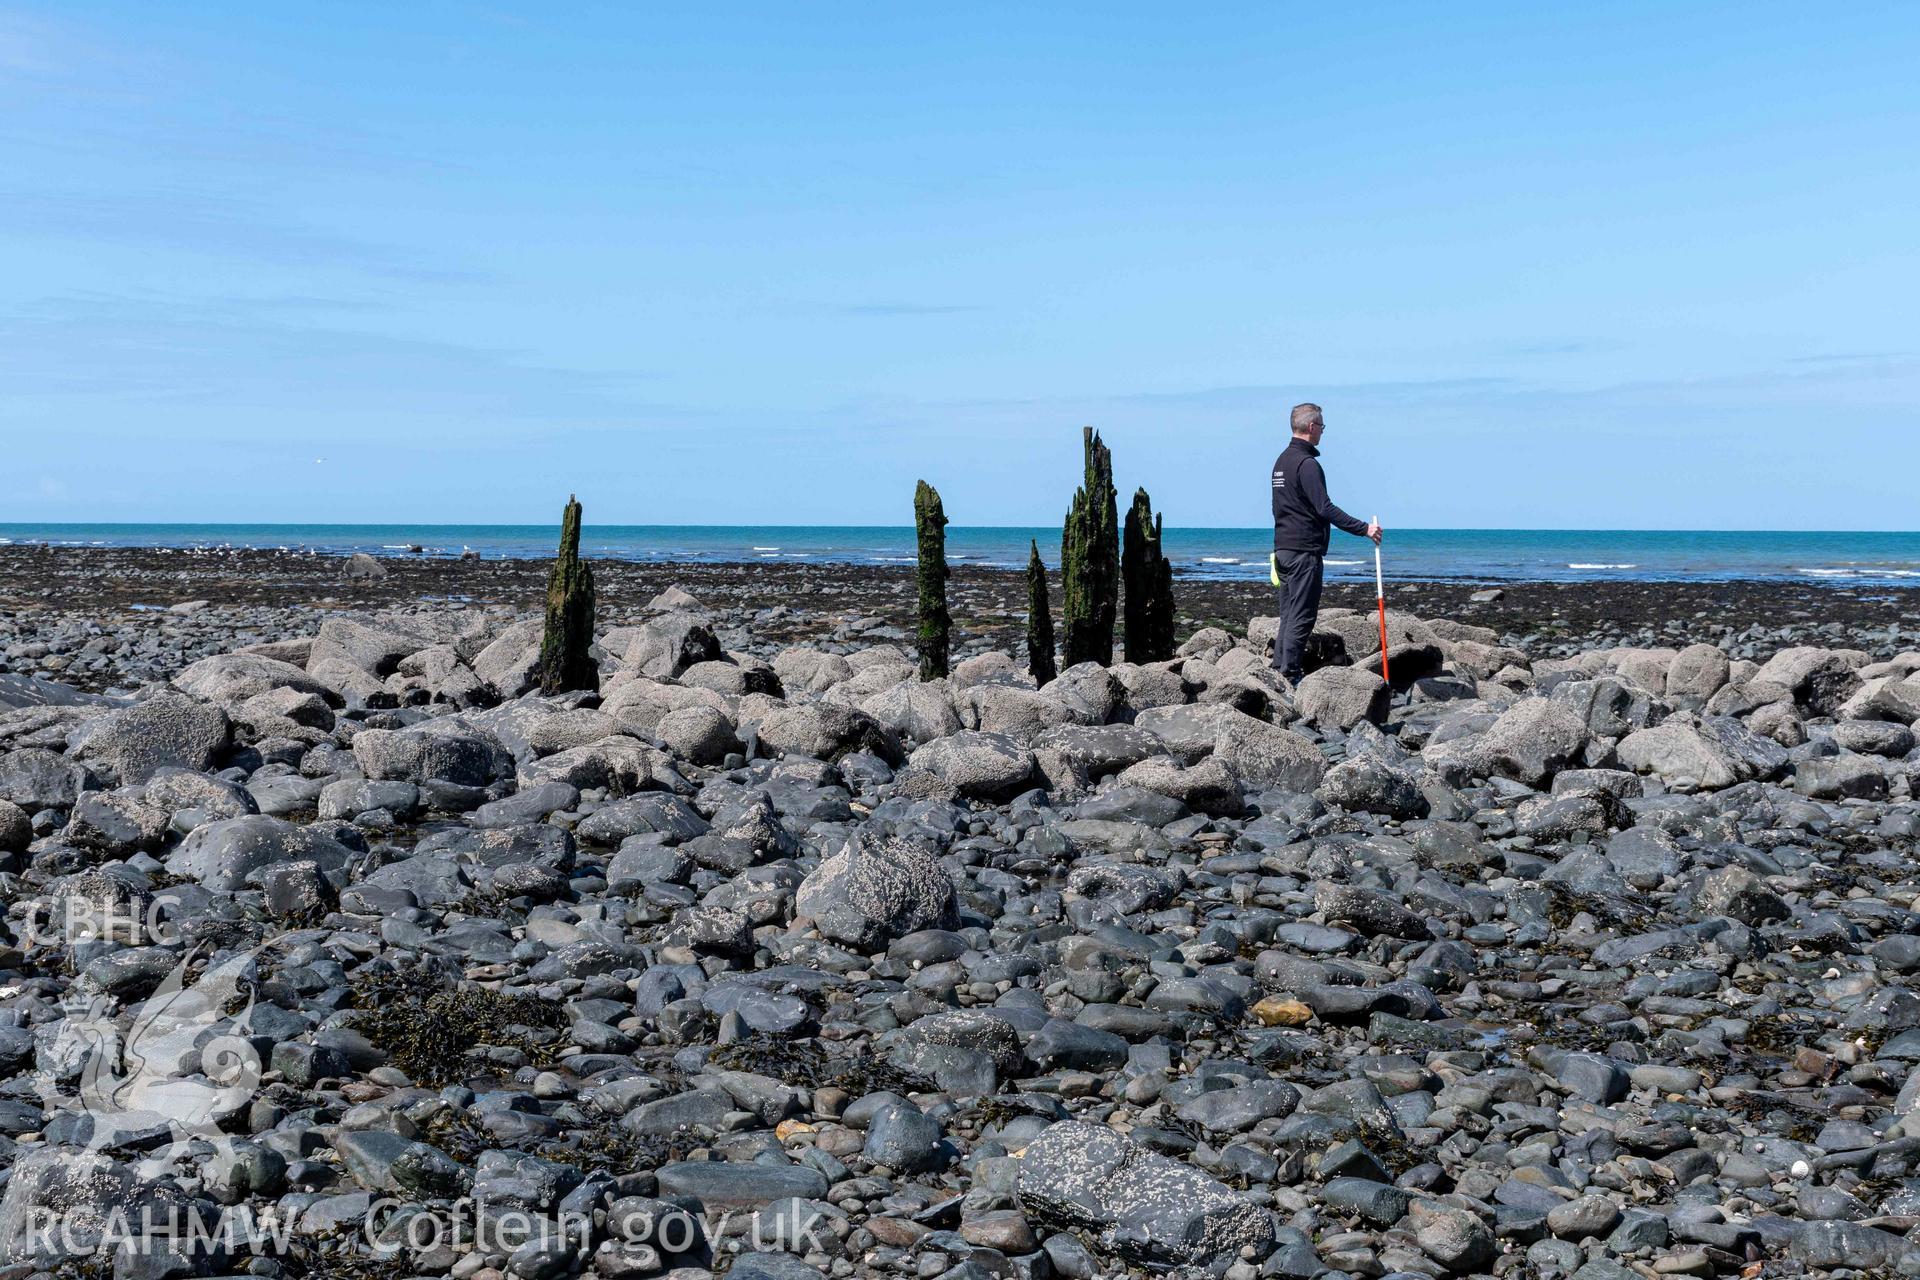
{"x":611,"y":1149}
{"x":993,"y":1113}
{"x":805,"y":1063}
{"x":595,"y":1146}
{"x":455,"y":1132}
{"x":863,"y":1075}
{"x":1395,"y":1154}
{"x":431,"y":1030}
{"x":1778,"y":1036}
{"x":342,"y":1255}
{"x":789,"y":1061}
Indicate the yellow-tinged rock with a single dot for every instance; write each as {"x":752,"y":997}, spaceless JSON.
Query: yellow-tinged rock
{"x":788,"y":1129}
{"x":1282,"y":1011}
{"x":897,"y":1232}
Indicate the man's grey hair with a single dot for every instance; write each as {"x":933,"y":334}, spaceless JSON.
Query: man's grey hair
{"x":1306,"y":417}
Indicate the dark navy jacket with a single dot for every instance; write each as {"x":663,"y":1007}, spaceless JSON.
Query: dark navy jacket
{"x":1302,"y":511}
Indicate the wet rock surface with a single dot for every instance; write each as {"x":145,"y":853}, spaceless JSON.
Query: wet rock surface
{"x":1561,"y":958}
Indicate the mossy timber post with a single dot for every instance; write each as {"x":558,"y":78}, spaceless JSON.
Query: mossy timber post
{"x":930,"y":529}
{"x":1040,"y":660}
{"x":565,"y":661}
{"x":1148,"y":576}
{"x":1090,"y":560}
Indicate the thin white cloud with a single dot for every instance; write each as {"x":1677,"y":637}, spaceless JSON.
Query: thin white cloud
{"x":890,"y":309}
{"x":28,"y":48}
{"x":221,"y":227}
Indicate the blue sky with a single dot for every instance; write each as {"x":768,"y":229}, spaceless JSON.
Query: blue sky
{"x":1631,"y":265}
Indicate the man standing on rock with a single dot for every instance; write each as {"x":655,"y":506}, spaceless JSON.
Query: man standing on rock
{"x":1302,"y":513}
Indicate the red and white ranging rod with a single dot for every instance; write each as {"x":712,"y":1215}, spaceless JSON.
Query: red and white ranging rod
{"x":1380,"y":597}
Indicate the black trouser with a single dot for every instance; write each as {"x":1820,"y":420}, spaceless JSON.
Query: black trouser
{"x":1299,"y":606}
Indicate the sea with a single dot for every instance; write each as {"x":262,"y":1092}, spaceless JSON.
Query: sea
{"x":1480,"y":555}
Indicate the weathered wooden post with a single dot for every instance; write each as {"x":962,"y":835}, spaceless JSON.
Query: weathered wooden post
{"x":1040,"y":661}
{"x":930,"y":530}
{"x":1089,"y":560}
{"x":565,"y":660}
{"x":1148,"y":575}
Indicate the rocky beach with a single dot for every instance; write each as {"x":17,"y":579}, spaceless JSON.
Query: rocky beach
{"x":1586,"y":948}
{"x":130,"y":615}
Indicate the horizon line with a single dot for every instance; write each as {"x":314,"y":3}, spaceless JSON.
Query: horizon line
{"x":1185,"y":528}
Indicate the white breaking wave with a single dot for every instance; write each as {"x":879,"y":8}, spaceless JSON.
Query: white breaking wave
{"x":1219,"y":560}
{"x":1829,"y":573}
{"x":766,"y":548}
{"x":1346,"y":562}
{"x":1603,"y":566}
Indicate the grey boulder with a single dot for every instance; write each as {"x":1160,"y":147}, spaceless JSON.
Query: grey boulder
{"x":664,"y":647}
{"x":426,"y":755}
{"x":230,"y":679}
{"x":1368,"y":784}
{"x":875,"y":890}
{"x":1143,"y":1206}
{"x":35,"y":778}
{"x":225,"y":855}
{"x":1341,"y":697}
{"x":700,"y":734}
{"x":619,"y":764}
{"x":510,"y":665}
{"x":1533,"y":740}
{"x":825,"y":731}
{"x":169,"y":729}
{"x":1711,"y":752}
{"x":1820,"y":680}
{"x":913,"y":710}
{"x":1698,"y":672}
{"x":981,"y":766}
